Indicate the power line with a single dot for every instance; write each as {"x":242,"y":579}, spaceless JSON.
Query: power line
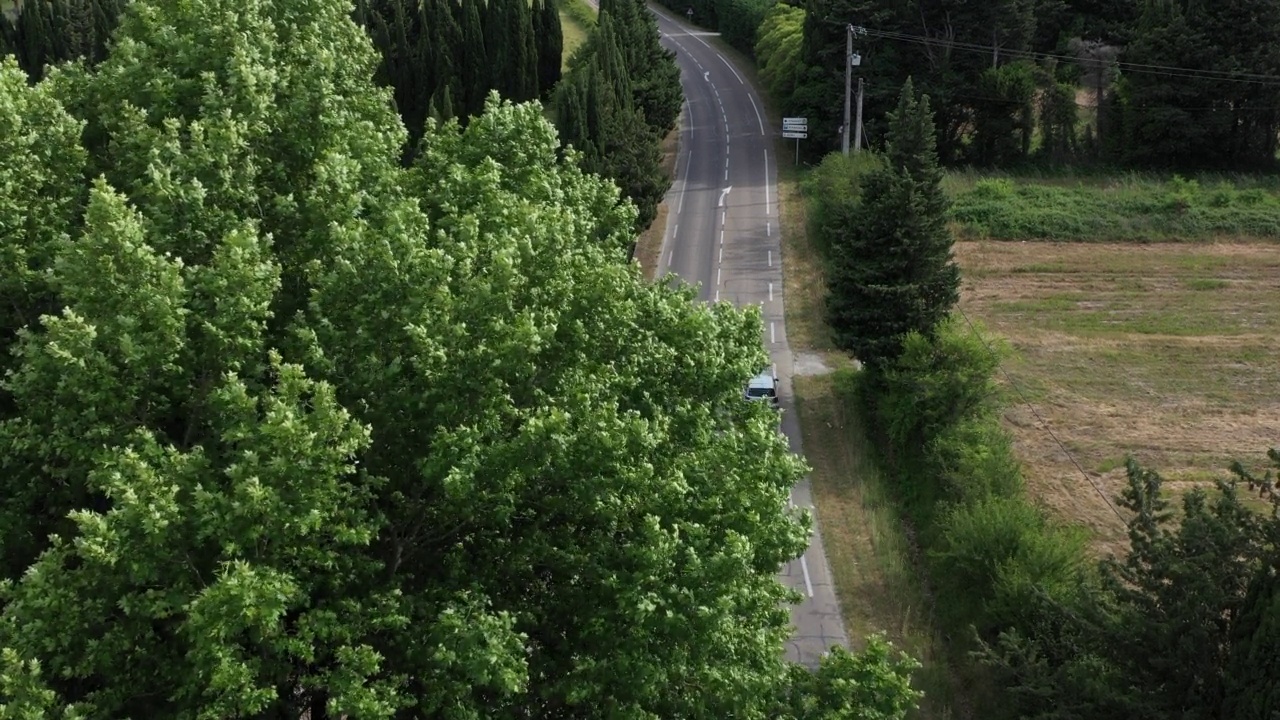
{"x":1035,"y":412}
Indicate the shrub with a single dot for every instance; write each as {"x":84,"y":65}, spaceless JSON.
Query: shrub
{"x":995,"y":555}
{"x":834,"y":188}
{"x":935,"y":384}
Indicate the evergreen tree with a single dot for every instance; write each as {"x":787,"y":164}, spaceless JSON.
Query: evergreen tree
{"x":497,"y":44}
{"x":1252,"y":692}
{"x":1203,"y":122}
{"x":528,"y":57}
{"x":893,"y":269}
{"x":473,"y":72}
{"x":652,"y":69}
{"x":550,"y":40}
{"x":597,"y":114}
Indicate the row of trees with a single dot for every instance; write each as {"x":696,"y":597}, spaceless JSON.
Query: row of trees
{"x":1186,"y":625}
{"x":619,"y":99}
{"x":1170,"y":84}
{"x":48,"y":32}
{"x":290,"y":429}
{"x":442,"y":57}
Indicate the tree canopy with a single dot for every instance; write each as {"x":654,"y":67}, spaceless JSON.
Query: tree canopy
{"x":288,"y":428}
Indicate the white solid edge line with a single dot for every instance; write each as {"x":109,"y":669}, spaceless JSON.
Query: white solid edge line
{"x":684,"y":184}
{"x":753,"y":107}
{"x":726,"y":64}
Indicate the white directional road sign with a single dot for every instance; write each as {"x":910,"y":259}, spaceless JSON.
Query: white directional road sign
{"x":795,"y":124}
{"x":797,"y":134}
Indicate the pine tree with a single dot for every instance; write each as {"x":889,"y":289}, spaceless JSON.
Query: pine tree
{"x":550,"y":40}
{"x":894,"y":271}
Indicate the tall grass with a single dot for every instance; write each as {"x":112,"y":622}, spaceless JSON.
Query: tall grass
{"x":1133,"y":207}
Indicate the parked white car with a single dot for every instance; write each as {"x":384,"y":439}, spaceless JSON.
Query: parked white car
{"x":763,"y":387}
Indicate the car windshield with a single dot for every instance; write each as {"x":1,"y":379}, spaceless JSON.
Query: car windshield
{"x":759,"y":392}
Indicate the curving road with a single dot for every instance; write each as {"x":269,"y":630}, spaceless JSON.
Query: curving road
{"x":722,"y":233}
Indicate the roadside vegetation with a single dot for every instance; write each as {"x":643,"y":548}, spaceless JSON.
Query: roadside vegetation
{"x":1034,"y":624}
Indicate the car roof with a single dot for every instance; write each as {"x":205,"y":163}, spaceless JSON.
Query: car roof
{"x":763,"y":380}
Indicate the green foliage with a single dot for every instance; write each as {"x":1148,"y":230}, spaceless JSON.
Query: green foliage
{"x":460,"y":50}
{"x":290,"y":429}
{"x":1058,"y":118}
{"x":651,"y":68}
{"x":550,"y":41}
{"x":1133,"y":208}
{"x":834,"y":189}
{"x":1199,"y":122}
{"x":777,"y":51}
{"x":1251,"y":692}
{"x":1004,"y":122}
{"x":996,"y":555}
{"x":1178,"y":628}
{"x":740,"y":20}
{"x":616,"y":103}
{"x":934,"y":383}
{"x":892,"y":269}
{"x":874,"y":684}
{"x":48,"y":32}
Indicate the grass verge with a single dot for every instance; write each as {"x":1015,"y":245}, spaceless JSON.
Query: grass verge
{"x":1161,"y":351}
{"x":870,"y":555}
{"x":576,"y":20}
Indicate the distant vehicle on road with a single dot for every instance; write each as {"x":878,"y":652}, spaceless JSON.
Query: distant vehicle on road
{"x":763,"y":387}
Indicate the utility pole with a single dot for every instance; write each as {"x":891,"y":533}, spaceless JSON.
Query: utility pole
{"x":857,"y":124}
{"x":850,"y":59}
{"x":848,"y":78}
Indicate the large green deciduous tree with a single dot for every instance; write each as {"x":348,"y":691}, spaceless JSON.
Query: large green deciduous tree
{"x":893,"y":271}
{"x":288,"y":429}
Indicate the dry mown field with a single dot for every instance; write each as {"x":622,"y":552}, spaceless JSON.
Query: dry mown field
{"x":1162,"y":351}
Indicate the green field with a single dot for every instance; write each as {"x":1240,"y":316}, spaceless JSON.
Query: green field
{"x":1131,"y":207}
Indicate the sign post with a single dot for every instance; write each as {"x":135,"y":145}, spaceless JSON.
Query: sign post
{"x":797,"y":128}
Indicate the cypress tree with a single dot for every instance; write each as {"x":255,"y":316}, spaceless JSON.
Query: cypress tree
{"x":655,"y":77}
{"x":522,"y":76}
{"x":893,"y":268}
{"x":7,"y":46}
{"x":499,"y":42}
{"x":473,"y":75}
{"x":550,"y":39}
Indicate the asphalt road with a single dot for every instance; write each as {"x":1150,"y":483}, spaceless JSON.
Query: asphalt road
{"x":722,"y":234}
